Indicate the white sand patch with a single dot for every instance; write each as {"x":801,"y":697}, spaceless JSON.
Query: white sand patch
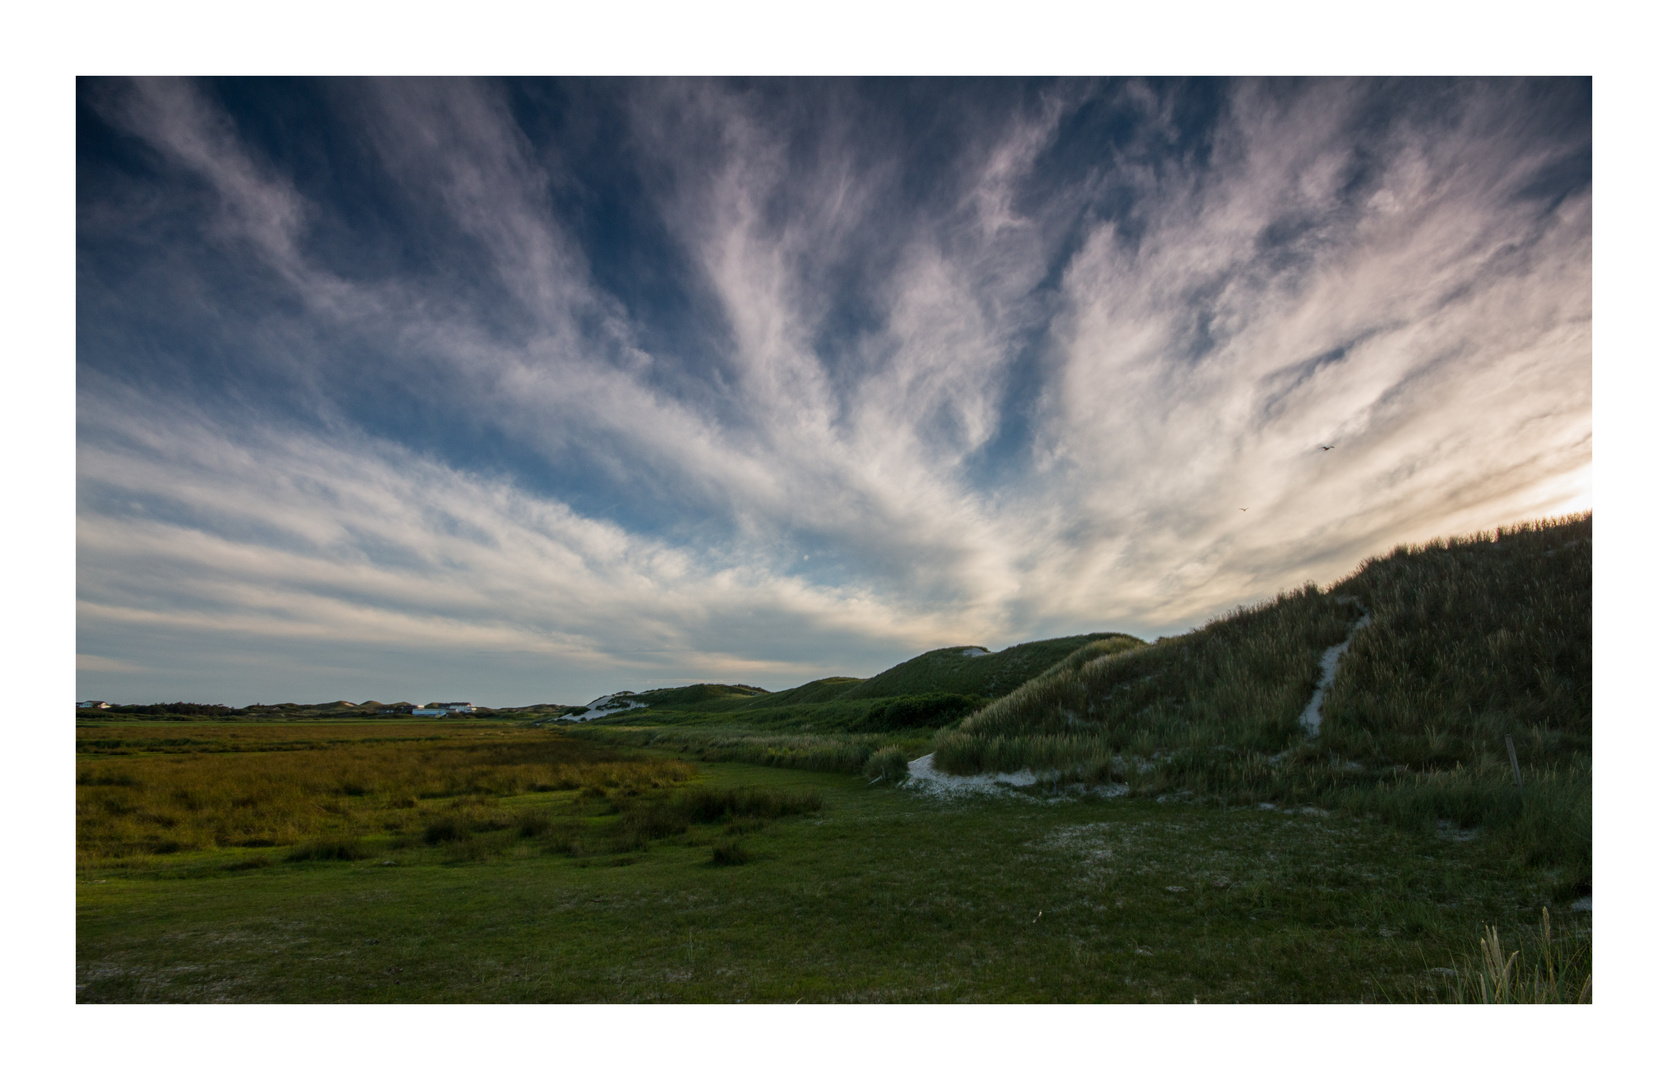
{"x":608,"y":705}
{"x":925,"y":779}
{"x":1311,"y":718}
{"x":975,"y":651}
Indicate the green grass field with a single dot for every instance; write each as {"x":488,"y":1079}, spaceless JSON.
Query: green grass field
{"x":841,"y":891}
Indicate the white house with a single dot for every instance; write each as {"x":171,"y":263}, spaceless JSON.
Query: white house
{"x":442,"y":708}
{"x":92,"y":704}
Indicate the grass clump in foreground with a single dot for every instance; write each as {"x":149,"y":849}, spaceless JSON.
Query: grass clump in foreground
{"x":1558,"y":971}
{"x":889,"y":764}
{"x":730,"y":853}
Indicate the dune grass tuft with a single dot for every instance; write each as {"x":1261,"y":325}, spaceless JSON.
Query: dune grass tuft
{"x":889,"y":764}
{"x":1556,"y":970}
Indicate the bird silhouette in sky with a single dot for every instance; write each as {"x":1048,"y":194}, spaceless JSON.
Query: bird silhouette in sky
{"x":1245,"y":508}
{"x":1328,"y":447}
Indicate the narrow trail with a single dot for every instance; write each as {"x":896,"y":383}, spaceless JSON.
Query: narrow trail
{"x":1311,"y":718}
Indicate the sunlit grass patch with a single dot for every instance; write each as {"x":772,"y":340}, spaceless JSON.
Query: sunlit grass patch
{"x":295,"y":787}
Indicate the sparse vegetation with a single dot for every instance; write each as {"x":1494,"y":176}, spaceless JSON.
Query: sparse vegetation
{"x":729,"y":853}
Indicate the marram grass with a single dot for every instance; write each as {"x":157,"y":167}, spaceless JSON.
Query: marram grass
{"x":1555,"y":970}
{"x":1471,"y":640}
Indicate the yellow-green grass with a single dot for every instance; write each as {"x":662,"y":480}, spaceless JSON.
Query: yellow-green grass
{"x":145,"y":790}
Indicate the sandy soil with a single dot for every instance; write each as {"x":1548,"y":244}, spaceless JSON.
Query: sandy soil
{"x":1329,"y":670}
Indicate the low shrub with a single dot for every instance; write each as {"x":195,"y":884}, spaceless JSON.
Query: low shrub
{"x":918,"y":711}
{"x":889,"y":764}
{"x":532,"y":823}
{"x":707,"y":806}
{"x":445,"y":830}
{"x":345,"y":850}
{"x":730,"y":853}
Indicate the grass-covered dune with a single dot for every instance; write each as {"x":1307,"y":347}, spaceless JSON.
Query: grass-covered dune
{"x":972,"y":670}
{"x":841,"y":724}
{"x":1470,"y":640}
{"x":967,"y":670}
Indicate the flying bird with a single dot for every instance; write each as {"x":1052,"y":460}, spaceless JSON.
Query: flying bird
{"x":1328,"y":447}
{"x":1245,"y":508}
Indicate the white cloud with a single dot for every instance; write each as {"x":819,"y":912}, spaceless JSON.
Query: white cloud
{"x":1432,"y":326}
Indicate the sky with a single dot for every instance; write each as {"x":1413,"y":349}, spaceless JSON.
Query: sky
{"x":522,"y":391}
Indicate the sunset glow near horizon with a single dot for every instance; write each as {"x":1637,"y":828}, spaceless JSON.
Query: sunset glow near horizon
{"x":523,"y":391}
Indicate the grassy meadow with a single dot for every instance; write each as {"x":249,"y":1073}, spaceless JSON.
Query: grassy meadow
{"x":724,"y":843}
{"x":759,"y":884}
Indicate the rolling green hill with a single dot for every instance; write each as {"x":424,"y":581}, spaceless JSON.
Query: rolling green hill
{"x":962,"y":671}
{"x":973,"y":670}
{"x":699,"y":696}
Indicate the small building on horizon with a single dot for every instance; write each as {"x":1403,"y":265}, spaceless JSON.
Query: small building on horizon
{"x":92,"y":704}
{"x":444,"y":708}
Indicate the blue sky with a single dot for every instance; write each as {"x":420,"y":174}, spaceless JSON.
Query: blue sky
{"x":528,"y":391}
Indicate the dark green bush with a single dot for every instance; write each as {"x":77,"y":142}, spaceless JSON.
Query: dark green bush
{"x":918,"y":711}
{"x":730,"y":853}
{"x":345,"y":850}
{"x":707,"y":806}
{"x":445,"y":831}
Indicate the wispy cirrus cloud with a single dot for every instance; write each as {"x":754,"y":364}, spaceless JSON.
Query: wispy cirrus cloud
{"x":671,"y":380}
